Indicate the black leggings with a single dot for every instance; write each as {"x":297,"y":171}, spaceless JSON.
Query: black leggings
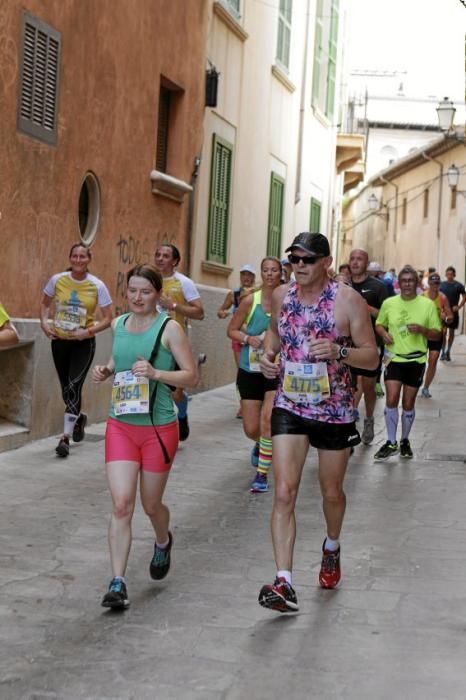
{"x":72,"y":360}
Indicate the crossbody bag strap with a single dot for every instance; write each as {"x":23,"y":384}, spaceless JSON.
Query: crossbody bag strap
{"x":153,"y":395}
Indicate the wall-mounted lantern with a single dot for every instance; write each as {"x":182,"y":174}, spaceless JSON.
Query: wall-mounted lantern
{"x":211,"y":87}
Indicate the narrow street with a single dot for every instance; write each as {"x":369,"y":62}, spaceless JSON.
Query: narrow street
{"x":396,"y":627}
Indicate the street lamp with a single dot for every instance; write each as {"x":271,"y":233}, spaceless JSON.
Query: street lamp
{"x":374,"y":207}
{"x":446,"y":113}
{"x":453,"y":176}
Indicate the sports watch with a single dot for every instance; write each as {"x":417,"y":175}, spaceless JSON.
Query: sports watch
{"x":342,"y":353}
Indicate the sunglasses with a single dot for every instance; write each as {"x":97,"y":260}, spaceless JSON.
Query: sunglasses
{"x":306,"y":259}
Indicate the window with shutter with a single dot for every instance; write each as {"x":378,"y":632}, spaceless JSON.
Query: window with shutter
{"x":332,"y":61}
{"x":325,"y":56}
{"x":234,"y":7}
{"x":219,"y":208}
{"x":274,"y":231}
{"x":318,"y":53}
{"x":404,"y":211}
{"x":162,"y":130}
{"x":284,"y":32}
{"x":314,"y":222}
{"x":40,"y":67}
{"x":426,"y":204}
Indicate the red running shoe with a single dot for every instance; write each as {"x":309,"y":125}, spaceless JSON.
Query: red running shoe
{"x":330,"y":572}
{"x":279,"y":596}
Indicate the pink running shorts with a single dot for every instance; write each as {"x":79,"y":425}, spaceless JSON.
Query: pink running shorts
{"x":139,"y":443}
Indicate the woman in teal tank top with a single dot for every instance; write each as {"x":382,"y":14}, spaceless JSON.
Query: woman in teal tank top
{"x":248,"y":327}
{"x":142,"y":429}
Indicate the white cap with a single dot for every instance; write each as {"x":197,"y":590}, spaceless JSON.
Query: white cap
{"x":374,"y":267}
{"x":248,"y":268}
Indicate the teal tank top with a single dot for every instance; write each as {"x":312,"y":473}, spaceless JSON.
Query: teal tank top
{"x":127,"y":347}
{"x":257,"y":322}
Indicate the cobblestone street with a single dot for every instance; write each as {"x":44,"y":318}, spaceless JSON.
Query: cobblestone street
{"x":396,"y":628}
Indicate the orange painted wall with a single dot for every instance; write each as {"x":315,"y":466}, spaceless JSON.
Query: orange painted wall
{"x":113,"y":54}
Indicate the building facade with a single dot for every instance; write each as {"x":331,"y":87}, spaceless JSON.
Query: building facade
{"x":418,"y":218}
{"x":114,"y":136}
{"x":101,"y":122}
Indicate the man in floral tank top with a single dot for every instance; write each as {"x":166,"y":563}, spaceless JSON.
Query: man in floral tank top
{"x":320,"y":328}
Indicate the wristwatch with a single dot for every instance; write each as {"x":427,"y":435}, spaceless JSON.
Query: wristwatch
{"x":342,"y":353}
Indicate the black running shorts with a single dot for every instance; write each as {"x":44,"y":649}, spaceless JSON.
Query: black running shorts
{"x":252,"y":386}
{"x":322,"y":436}
{"x":409,"y":373}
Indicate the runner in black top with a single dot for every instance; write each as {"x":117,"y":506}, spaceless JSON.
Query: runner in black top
{"x":374,"y":292}
{"x":453,"y":291}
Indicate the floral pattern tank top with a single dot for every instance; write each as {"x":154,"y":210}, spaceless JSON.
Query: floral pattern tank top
{"x":297,"y":325}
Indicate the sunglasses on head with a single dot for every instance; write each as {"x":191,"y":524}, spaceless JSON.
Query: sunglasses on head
{"x":306,"y":259}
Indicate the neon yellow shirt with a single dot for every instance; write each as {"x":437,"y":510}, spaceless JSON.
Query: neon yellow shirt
{"x":181,"y":290}
{"x":396,"y":314}
{"x":3,"y":316}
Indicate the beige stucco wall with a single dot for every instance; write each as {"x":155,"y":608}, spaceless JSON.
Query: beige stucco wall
{"x":260,"y":116}
{"x":421,"y":241}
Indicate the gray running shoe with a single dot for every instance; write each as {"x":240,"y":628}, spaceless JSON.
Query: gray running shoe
{"x":368,"y":431}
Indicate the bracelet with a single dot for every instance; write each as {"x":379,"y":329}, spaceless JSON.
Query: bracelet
{"x":245,"y":340}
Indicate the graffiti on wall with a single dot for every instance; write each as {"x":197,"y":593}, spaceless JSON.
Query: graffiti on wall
{"x":135,"y":250}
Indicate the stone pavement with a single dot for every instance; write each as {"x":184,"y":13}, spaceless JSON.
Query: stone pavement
{"x":396,"y":628}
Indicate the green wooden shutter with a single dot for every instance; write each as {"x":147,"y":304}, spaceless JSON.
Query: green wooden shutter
{"x":332,"y":61}
{"x":284,"y":32}
{"x":318,"y":53}
{"x":274,"y":230}
{"x":314,"y":224}
{"x":219,"y":208}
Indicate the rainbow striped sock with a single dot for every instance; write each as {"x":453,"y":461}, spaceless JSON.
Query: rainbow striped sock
{"x":265,"y":455}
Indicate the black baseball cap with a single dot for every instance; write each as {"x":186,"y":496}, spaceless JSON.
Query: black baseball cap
{"x":313,"y":243}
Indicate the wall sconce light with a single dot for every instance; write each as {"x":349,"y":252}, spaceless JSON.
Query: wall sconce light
{"x":375,"y":208}
{"x":211,"y":87}
{"x":453,"y":176}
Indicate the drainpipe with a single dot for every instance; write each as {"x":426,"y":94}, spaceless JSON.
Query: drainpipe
{"x":190,"y":218}
{"x":302,"y":109}
{"x":439,"y":213}
{"x":395,"y":226}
